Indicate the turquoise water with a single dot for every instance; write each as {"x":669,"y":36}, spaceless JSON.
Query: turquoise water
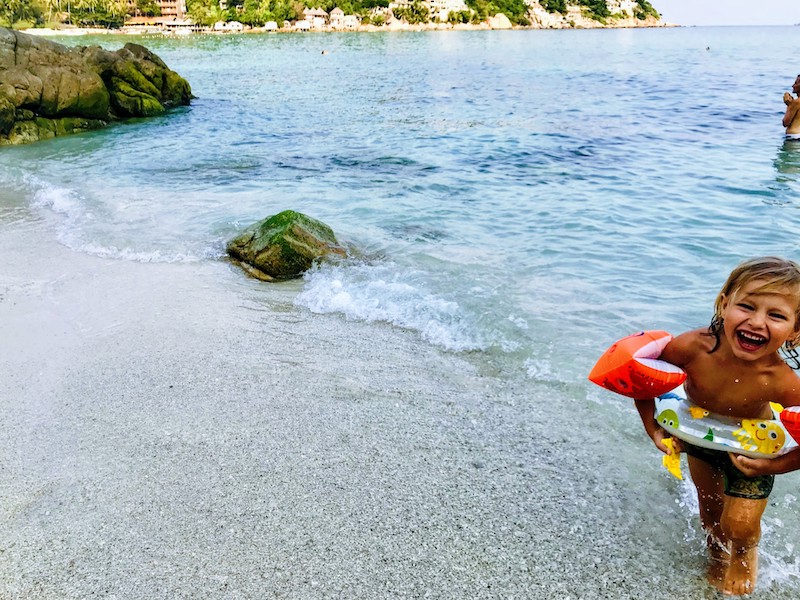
{"x":526,"y":197}
{"x":513,"y":190}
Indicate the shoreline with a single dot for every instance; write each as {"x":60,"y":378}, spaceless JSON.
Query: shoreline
{"x":398,"y":26}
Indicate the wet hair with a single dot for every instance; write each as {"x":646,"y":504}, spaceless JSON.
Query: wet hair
{"x":776,"y":275}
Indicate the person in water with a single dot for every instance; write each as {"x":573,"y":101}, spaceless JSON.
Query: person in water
{"x":791,"y":119}
{"x":734,"y":369}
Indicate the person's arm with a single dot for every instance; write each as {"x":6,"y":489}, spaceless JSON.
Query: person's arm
{"x":678,"y":352}
{"x":751,"y":467}
{"x":791,"y":111}
{"x":647,"y":410}
{"x":785,"y":463}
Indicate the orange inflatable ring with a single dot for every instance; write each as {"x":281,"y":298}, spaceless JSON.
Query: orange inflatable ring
{"x":631,"y":367}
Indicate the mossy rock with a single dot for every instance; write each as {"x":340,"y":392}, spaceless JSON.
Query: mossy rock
{"x":36,"y":129}
{"x":131,"y":102}
{"x":48,"y":89}
{"x":7,"y":115}
{"x":284,"y":246}
{"x":129,"y":72}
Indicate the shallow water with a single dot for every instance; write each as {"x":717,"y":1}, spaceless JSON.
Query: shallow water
{"x":522,"y":198}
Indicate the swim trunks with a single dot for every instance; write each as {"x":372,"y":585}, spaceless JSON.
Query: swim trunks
{"x":737,"y":484}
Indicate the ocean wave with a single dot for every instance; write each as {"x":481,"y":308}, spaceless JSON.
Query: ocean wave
{"x":83,"y":225}
{"x":399,"y":296}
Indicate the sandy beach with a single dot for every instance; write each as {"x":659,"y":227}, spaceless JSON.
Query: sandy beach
{"x":181,"y":431}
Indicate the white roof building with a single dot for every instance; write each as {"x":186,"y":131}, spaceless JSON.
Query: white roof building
{"x":339,"y":20}
{"x":622,"y":6}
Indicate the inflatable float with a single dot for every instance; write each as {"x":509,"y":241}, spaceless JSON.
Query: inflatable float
{"x":631,"y":367}
{"x":756,"y":438}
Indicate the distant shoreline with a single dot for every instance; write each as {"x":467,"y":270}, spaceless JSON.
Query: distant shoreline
{"x":485,"y":26}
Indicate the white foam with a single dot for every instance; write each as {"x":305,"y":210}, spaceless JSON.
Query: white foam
{"x":540,"y":369}
{"x":779,"y":564}
{"x":60,"y":200}
{"x":387,"y":293}
{"x":80,"y":229}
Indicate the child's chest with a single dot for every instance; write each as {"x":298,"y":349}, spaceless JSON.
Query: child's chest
{"x":737,"y":394}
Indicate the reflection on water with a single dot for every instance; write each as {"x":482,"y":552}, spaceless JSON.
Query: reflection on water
{"x":787,"y":164}
{"x":788,"y":160}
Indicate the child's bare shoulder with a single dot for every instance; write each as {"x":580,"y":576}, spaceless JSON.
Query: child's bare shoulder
{"x":686,"y":346}
{"x":788,"y":386}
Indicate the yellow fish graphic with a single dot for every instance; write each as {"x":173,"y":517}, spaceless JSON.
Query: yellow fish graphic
{"x":762,"y":436}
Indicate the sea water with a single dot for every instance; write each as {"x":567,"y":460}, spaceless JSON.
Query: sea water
{"x":523,"y":198}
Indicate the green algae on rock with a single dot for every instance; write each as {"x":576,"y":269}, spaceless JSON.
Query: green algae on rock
{"x":283,"y":246}
{"x":48,"y":89}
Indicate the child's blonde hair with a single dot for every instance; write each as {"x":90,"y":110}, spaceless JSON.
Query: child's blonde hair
{"x":776,"y":274}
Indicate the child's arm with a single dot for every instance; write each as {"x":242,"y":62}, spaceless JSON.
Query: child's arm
{"x":647,"y":410}
{"x":767,"y":466}
{"x":679,"y":352}
{"x":789,"y":384}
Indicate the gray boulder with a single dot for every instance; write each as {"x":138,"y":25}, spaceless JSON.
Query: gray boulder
{"x":283,"y":246}
{"x":47,"y":89}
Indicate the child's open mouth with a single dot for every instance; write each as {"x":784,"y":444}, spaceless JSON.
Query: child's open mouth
{"x":750,"y":341}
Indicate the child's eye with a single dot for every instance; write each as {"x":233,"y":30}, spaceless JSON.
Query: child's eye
{"x":778,"y":316}
{"x":745,"y":306}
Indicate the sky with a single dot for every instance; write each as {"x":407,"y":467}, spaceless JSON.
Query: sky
{"x":729,"y":12}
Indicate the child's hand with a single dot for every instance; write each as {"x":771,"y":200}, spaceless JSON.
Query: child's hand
{"x":752,"y":466}
{"x":659,"y":435}
{"x":787,"y":98}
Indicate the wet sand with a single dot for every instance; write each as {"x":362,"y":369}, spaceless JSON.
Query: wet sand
{"x":180,"y":431}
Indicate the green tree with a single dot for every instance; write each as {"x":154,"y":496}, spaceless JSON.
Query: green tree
{"x":98,"y":13}
{"x":460,"y":16}
{"x":644,"y":9}
{"x":20,"y":12}
{"x":148,"y":8}
{"x":596,"y":9}
{"x":205,"y":12}
{"x":414,"y":14}
{"x":515,"y":10}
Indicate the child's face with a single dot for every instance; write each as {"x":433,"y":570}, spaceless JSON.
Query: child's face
{"x":758,"y":324}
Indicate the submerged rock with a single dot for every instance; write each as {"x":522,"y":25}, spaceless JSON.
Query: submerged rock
{"x":283,"y":246}
{"x":47,"y":89}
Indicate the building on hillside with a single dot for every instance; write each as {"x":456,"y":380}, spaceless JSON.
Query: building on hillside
{"x":153,"y":24}
{"x":317,"y":17}
{"x":622,"y":6}
{"x":351,"y":22}
{"x":341,"y":21}
{"x":228,"y":26}
{"x":169,"y":8}
{"x":438,"y":9}
{"x":337,"y":18}
{"x":172,"y":8}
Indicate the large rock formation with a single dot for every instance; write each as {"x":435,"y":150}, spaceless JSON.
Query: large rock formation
{"x":47,"y":89}
{"x":283,"y":246}
{"x":624,"y":13}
